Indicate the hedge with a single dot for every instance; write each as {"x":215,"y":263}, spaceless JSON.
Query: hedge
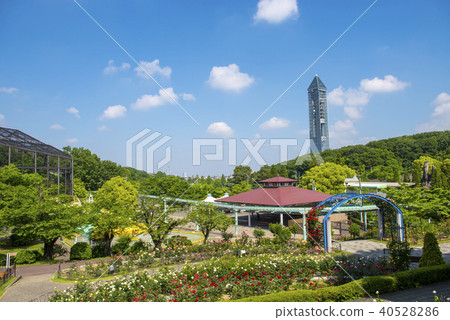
{"x":352,"y":290}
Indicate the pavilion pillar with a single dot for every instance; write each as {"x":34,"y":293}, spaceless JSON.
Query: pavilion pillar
{"x":380,"y":225}
{"x":365,"y":221}
{"x":328,"y":235}
{"x":249,"y":219}
{"x":281,"y":218}
{"x":399,"y":227}
{"x":304,"y":226}
{"x":236,"y":231}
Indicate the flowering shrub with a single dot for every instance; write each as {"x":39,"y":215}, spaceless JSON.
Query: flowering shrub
{"x":224,"y":279}
{"x":313,"y":226}
{"x":353,"y":268}
{"x":196,"y":253}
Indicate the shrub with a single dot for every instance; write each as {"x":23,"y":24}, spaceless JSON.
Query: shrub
{"x":354,"y":230}
{"x":20,"y":241}
{"x":59,"y":250}
{"x":350,"y":291}
{"x":281,"y":233}
{"x":123,"y":243}
{"x":258,"y":233}
{"x":295,"y":229}
{"x":81,"y":251}
{"x":399,"y":254}
{"x":431,"y":254}
{"x":98,"y":251}
{"x":227,"y":236}
{"x":28,"y":256}
{"x":138,"y":246}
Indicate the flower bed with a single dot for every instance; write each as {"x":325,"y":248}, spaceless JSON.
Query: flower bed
{"x":187,"y":254}
{"x":224,"y":279}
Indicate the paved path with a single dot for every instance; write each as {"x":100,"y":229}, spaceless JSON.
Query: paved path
{"x":372,"y":248}
{"x":420,"y":294}
{"x":32,"y":287}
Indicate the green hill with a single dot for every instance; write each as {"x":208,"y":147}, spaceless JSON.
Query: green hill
{"x":384,"y":160}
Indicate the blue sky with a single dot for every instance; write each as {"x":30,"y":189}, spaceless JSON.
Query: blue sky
{"x":64,"y":81}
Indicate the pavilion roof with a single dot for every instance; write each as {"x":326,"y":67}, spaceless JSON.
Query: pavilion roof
{"x":283,"y":196}
{"x":278,"y":179}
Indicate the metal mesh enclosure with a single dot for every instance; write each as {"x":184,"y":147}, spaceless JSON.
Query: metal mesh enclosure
{"x":33,"y":156}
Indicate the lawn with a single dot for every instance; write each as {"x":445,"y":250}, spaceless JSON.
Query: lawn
{"x":5,"y":285}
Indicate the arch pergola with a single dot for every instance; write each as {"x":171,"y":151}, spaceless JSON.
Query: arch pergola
{"x":334,"y":202}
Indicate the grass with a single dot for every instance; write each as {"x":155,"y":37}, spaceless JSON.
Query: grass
{"x":5,"y":285}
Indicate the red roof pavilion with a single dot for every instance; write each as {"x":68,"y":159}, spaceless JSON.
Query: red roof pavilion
{"x":277,"y":191}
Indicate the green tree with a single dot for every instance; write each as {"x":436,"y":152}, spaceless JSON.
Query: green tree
{"x":431,"y":253}
{"x":328,"y":178}
{"x":78,"y":189}
{"x":155,"y":215}
{"x":33,"y":210}
{"x":243,"y":186}
{"x":283,"y":172}
{"x":87,"y":167}
{"x":114,"y":206}
{"x":242,"y":173}
{"x":208,"y":218}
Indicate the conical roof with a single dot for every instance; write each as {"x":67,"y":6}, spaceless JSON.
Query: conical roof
{"x":316,"y":84}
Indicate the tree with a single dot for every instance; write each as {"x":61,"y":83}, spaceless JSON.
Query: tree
{"x":33,"y":210}
{"x":114,"y":206}
{"x":431,"y":254}
{"x":242,"y":173}
{"x":78,"y":189}
{"x":283,"y":171}
{"x":328,"y":178}
{"x":241,"y":187}
{"x":155,"y":216}
{"x":354,"y":230}
{"x":208,"y":218}
{"x":422,"y":203}
{"x":87,"y":167}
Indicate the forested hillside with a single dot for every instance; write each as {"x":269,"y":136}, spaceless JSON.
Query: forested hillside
{"x":386,"y":160}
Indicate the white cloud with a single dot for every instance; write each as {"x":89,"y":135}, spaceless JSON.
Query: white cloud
{"x":229,"y":78}
{"x":72,"y":140}
{"x":365,"y":140}
{"x":114,"y":112}
{"x":440,"y":118}
{"x":152,"y":68}
{"x":74,"y":111}
{"x":112,"y":68}
{"x":350,"y":97}
{"x":342,"y":132}
{"x":187,"y":96}
{"x":8,"y":90}
{"x":220,"y":129}
{"x":2,"y":120}
{"x":57,"y":127}
{"x":388,"y":84}
{"x":103,"y":128}
{"x":352,"y":100}
{"x":443,"y":97}
{"x":148,"y":101}
{"x":276,"y":11}
{"x":275,"y":123}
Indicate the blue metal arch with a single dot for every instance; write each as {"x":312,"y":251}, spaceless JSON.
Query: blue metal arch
{"x":345,"y":197}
